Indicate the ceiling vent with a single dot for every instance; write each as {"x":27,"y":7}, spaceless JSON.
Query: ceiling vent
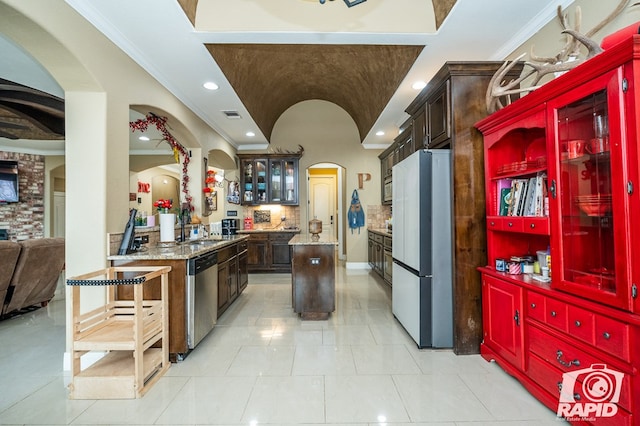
{"x":232,"y":114}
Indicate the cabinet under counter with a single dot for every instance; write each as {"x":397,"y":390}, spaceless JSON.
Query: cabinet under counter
{"x":233,"y":255}
{"x":313,"y":276}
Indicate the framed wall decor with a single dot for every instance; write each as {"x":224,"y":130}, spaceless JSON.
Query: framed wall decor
{"x":233,"y":194}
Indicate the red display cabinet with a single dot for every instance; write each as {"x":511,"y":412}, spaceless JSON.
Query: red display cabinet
{"x":576,"y":136}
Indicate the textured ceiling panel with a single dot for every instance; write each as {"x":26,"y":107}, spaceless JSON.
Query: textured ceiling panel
{"x":271,"y":78}
{"x":441,"y":9}
{"x":27,"y":113}
{"x":189,"y":7}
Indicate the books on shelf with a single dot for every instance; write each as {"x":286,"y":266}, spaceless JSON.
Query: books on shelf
{"x":521,"y":196}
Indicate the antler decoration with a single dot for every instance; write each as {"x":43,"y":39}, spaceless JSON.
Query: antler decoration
{"x":540,"y":66}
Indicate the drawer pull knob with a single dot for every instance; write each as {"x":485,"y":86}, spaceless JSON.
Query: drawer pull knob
{"x":564,"y":363}
{"x":533,"y":305}
{"x":533,"y":225}
{"x":606,"y":335}
{"x":576,"y":396}
{"x":559,"y":385}
{"x":493,"y":224}
{"x":553,"y":313}
{"x":510,"y":224}
{"x":578,"y":323}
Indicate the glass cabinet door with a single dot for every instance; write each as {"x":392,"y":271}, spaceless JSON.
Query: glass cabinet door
{"x":261,"y":181}
{"x":248,"y":189}
{"x":585,"y":180}
{"x":276,"y":181}
{"x":588,"y":256}
{"x":290,"y":184}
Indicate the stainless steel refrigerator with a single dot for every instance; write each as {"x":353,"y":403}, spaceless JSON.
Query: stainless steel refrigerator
{"x":422,"y":294}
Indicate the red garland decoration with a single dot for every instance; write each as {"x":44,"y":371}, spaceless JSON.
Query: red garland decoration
{"x":160,"y":123}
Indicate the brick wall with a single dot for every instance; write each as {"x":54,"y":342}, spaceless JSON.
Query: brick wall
{"x":25,"y":219}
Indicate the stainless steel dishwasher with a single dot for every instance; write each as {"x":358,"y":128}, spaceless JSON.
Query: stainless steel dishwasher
{"x":202,"y":296}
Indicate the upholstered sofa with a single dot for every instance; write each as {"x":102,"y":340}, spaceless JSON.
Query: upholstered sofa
{"x":35,"y":273}
{"x":9,"y":252}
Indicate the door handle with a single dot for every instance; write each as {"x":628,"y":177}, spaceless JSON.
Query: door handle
{"x":331,"y":219}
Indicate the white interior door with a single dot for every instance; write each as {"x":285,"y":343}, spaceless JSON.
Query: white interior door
{"x":58,"y":214}
{"x":322,"y":202}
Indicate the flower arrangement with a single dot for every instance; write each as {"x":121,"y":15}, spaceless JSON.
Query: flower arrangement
{"x":163,"y":206}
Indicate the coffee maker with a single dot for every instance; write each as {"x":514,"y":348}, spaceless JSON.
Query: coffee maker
{"x":229,"y":226}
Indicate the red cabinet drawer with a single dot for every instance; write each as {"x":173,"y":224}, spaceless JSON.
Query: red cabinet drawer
{"x":536,"y":225}
{"x":535,"y":306}
{"x":563,"y":357}
{"x":580,"y":323}
{"x":556,"y":314}
{"x":545,"y":374}
{"x":612,"y":336}
{"x":560,"y":354}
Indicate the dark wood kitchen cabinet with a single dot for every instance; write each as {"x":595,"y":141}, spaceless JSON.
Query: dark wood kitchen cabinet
{"x":379,"y":254}
{"x":227,"y":277}
{"x":269,"y":251}
{"x":243,"y":265}
{"x":257,"y":251}
{"x":280,"y":251}
{"x":269,"y":179}
{"x":438,"y":115}
{"x":451,"y":103}
{"x":419,"y":129}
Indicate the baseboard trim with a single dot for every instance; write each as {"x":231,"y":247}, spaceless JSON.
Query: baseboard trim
{"x":357,"y":265}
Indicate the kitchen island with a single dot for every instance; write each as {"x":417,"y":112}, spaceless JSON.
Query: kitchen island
{"x":313,"y":275}
{"x":221,"y":287}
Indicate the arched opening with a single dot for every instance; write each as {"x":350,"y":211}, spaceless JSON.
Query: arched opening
{"x":325,"y":189}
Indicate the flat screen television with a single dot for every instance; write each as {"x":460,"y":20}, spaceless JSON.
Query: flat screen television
{"x":9,"y":182}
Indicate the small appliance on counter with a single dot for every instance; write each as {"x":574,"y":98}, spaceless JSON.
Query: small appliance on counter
{"x":229,"y":226}
{"x":215,"y":229}
{"x":248,"y":223}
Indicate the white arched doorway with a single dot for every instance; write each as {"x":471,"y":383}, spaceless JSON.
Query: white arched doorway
{"x":326,"y":194}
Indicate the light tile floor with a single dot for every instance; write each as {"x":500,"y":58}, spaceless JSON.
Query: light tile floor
{"x":263,"y":365}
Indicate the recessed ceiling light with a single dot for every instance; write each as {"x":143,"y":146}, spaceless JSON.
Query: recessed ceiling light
{"x":379,"y":133}
{"x":143,"y":138}
{"x":210,"y":85}
{"x":418,"y":85}
{"x":250,"y":134}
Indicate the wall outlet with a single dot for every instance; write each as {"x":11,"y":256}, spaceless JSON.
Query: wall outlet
{"x":143,"y":239}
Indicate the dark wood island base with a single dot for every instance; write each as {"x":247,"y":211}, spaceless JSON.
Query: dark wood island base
{"x":313,"y":276}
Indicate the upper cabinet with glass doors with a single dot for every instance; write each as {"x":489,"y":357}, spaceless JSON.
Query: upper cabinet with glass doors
{"x":579,"y":132}
{"x":591,"y":190}
{"x":269,"y":179}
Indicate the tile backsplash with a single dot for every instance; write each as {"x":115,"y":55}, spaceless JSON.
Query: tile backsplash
{"x":272,"y":216}
{"x":376,"y":215}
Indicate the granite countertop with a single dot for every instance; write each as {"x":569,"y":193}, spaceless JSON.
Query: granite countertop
{"x":186,"y":250}
{"x":254,"y":231}
{"x":382,"y":231}
{"x":307,"y":239}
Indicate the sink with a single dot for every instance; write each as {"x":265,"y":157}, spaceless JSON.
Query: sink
{"x":204,"y":242}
